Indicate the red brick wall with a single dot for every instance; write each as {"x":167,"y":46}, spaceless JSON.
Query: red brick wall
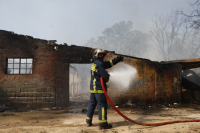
{"x":35,"y":90}
{"x":48,"y":86}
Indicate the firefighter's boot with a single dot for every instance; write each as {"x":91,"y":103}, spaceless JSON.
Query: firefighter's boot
{"x":89,"y":123}
{"x":105,"y":126}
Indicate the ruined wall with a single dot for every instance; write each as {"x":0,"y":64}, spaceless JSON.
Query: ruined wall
{"x":66,"y":55}
{"x":154,"y":83}
{"x":168,"y":83}
{"x":31,"y":90}
{"x":48,"y":85}
{"x":75,"y":54}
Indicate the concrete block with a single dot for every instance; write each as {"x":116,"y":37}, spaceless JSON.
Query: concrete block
{"x":29,"y":85}
{"x":22,"y":94}
{"x":45,"y":90}
{"x":20,"y":85}
{"x":52,"y":94}
{"x":22,"y":99}
{"x":11,"y":90}
{"x":11,"y":94}
{"x":46,"y":94}
{"x":36,"y":94}
{"x":31,"y":99}
{"x":50,"y":99}
{"x":10,"y":86}
{"x":35,"y":104}
{"x":28,"y":94}
{"x":40,"y":99}
{"x":13,"y":99}
{"x":28,"y":89}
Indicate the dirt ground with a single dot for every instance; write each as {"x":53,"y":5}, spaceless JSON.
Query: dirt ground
{"x":73,"y":120}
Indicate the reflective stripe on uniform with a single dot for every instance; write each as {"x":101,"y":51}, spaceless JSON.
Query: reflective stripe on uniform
{"x":102,"y":113}
{"x":93,"y":68}
{"x":96,"y":91}
{"x":94,"y":84}
{"x":111,"y":63}
{"x":102,"y":121}
{"x":88,"y":118}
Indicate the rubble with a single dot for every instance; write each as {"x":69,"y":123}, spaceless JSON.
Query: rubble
{"x":79,"y":97}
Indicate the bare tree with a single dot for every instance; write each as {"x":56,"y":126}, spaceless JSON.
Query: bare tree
{"x":194,"y":15}
{"x":165,"y":30}
{"x":173,"y":37}
{"x":187,"y":47}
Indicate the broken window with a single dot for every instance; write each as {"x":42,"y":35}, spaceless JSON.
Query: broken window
{"x":19,"y":65}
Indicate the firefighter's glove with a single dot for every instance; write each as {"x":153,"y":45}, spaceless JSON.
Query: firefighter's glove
{"x":120,"y":58}
{"x":107,"y":79}
{"x":107,"y":73}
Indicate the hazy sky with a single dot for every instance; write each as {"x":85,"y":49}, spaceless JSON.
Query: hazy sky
{"x":76,"y":21}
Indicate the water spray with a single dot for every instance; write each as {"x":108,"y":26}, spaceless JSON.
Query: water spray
{"x":140,"y":123}
{"x":122,"y":75}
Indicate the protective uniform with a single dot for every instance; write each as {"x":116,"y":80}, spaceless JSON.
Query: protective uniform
{"x":97,"y":95}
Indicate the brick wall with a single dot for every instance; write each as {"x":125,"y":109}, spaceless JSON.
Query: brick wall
{"x":154,"y":82}
{"x":32,"y":90}
{"x":168,"y":83}
{"x":48,"y":85}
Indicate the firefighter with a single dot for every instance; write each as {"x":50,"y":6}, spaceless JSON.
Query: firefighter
{"x":97,"y":96}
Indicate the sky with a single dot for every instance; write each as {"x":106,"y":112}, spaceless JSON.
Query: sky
{"x":76,"y":21}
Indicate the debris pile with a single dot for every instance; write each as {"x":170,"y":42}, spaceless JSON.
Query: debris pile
{"x":79,"y":100}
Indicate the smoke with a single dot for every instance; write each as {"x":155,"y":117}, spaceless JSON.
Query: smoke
{"x":121,"y":76}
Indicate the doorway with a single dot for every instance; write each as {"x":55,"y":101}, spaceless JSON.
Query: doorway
{"x":79,"y":85}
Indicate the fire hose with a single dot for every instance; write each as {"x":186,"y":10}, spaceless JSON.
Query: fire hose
{"x":141,"y":123}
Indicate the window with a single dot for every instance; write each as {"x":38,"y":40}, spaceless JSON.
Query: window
{"x":19,"y":65}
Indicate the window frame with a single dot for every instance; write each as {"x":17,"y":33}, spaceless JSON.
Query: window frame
{"x":22,"y":66}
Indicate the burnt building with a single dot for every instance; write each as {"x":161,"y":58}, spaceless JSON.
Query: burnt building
{"x":35,"y":73}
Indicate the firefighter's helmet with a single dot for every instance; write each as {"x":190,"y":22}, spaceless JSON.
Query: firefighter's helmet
{"x":98,"y":51}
